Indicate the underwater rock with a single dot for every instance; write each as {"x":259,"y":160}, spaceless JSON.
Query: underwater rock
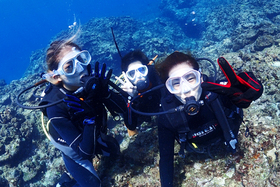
{"x":272,"y":9}
{"x":30,"y":168}
{"x":5,"y":99}
{"x":2,"y":82}
{"x":37,"y":63}
{"x":3,"y":182}
{"x":14,"y":177}
{"x":263,"y":42}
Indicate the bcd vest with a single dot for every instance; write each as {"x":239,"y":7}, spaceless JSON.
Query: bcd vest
{"x":200,"y":131}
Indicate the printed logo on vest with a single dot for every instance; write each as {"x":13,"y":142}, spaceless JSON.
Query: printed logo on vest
{"x":205,"y":131}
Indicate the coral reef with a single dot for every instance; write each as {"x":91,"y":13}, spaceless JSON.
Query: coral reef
{"x":245,"y":32}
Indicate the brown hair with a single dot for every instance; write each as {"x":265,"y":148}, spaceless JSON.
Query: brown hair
{"x":54,"y":50}
{"x":173,"y":59}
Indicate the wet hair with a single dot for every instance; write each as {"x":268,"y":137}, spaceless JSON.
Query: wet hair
{"x":54,"y":50}
{"x":67,"y":39}
{"x":173,"y":59}
{"x":133,"y":56}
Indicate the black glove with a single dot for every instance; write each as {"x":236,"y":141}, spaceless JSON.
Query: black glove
{"x":242,"y":89}
{"x":78,"y":106}
{"x":96,"y":86}
{"x":103,"y":80}
{"x":91,"y":86}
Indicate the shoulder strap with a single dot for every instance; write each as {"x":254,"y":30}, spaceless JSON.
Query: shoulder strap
{"x":231,"y":141}
{"x":52,"y":94}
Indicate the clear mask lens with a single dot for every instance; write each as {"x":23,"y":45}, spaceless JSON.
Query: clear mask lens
{"x":184,"y":83}
{"x":131,"y":74}
{"x":69,"y":67}
{"x":84,"y":58}
{"x":142,"y":70}
{"x":75,"y":63}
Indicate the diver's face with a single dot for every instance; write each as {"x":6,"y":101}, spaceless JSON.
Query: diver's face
{"x":136,"y":72}
{"x":71,"y":82}
{"x":184,"y":82}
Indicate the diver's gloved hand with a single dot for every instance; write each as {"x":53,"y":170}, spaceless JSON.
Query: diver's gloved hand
{"x":242,"y":89}
{"x":90,"y":86}
{"x":127,"y":86}
{"x":103,"y":79}
{"x":78,"y":106}
{"x":96,"y":86}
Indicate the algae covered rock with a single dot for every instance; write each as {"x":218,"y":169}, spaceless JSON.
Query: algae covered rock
{"x":263,"y":42}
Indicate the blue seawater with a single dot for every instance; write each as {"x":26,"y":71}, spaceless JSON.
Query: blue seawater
{"x":26,"y":26}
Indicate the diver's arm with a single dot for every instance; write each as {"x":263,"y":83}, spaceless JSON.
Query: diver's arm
{"x":242,"y":88}
{"x":82,"y":143}
{"x":166,"y":146}
{"x":115,"y":102}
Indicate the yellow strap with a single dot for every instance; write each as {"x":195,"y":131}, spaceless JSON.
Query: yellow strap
{"x":43,"y":126}
{"x":121,"y":76}
{"x":194,"y":145}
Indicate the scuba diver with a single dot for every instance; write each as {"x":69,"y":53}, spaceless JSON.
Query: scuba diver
{"x":139,"y":76}
{"x":78,"y":124}
{"x":206,"y":113}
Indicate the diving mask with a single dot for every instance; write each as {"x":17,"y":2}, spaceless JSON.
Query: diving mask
{"x":72,"y":62}
{"x":138,"y":70}
{"x":182,"y":81}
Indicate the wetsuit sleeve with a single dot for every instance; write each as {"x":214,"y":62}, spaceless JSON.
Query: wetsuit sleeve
{"x":80,"y":142}
{"x":166,"y":147}
{"x":115,"y":102}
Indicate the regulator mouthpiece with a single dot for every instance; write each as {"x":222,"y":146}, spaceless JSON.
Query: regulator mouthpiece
{"x":192,"y":106}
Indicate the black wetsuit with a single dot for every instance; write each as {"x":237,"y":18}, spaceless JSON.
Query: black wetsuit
{"x":149,"y":102}
{"x":77,"y":142}
{"x":203,"y":129}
